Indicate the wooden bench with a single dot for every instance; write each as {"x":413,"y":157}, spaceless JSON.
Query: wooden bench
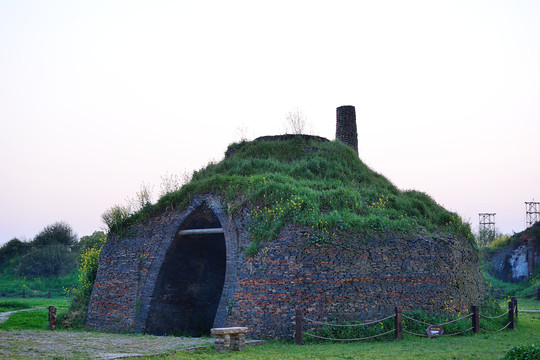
{"x":233,"y":338}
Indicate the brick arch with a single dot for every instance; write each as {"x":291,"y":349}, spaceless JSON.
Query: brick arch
{"x":208,"y":206}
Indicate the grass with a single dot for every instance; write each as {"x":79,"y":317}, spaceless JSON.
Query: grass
{"x":12,"y":305}
{"x":520,"y":289}
{"x":528,"y":304}
{"x":312,"y":183}
{"x":15,"y":285}
{"x":478,"y":346}
{"x":36,"y":319}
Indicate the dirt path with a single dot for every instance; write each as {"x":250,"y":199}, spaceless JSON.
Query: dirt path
{"x":31,"y":344}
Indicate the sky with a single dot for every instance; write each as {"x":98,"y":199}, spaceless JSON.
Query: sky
{"x":98,"y":98}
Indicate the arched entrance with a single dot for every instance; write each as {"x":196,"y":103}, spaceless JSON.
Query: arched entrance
{"x":190,"y":282}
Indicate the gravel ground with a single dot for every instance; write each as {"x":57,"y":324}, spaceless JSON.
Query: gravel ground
{"x":29,"y":344}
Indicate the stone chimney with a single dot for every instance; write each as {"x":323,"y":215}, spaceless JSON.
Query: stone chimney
{"x":346,"y":126}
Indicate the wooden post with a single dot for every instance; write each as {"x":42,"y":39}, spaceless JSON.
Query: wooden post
{"x":52,"y":318}
{"x":49,"y":294}
{"x":475,"y":319}
{"x":514,"y":300}
{"x":538,"y":294}
{"x":398,"y":324}
{"x":298,"y":333}
{"x":511,"y":314}
{"x":24,"y":293}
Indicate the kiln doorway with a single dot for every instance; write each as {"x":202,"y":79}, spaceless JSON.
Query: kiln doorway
{"x":190,"y":282}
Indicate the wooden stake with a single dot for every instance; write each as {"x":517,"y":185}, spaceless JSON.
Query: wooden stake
{"x":475,"y":319}
{"x":398,"y":323}
{"x":511,"y":314}
{"x":298,"y":334}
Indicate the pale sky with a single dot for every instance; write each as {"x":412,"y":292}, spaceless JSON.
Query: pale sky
{"x":99,"y":97}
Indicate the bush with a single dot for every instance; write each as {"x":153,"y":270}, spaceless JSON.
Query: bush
{"x":10,"y":251}
{"x":51,"y":252}
{"x":85,"y":282}
{"x":523,"y":352}
{"x":459,"y":326}
{"x":47,"y":261}
{"x":352,"y":332}
{"x":89,"y":241}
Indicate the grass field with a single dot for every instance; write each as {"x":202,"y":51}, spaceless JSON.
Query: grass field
{"x":36,"y":314}
{"x":38,"y":287}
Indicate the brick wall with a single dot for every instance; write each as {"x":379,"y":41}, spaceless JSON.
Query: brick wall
{"x":355,"y":279}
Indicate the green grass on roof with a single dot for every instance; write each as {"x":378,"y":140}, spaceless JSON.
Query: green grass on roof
{"x":313,"y":183}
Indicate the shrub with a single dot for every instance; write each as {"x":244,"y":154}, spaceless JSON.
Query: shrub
{"x":51,"y":252}
{"x":523,"y":352}
{"x":85,"y":282}
{"x":115,"y":217}
{"x":351,"y":332}
{"x":47,"y":261}
{"x":459,"y":326}
{"x":11,"y":251}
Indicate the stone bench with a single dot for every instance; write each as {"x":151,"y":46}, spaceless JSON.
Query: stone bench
{"x":233,"y":338}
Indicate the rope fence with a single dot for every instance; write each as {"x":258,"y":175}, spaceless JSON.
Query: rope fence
{"x":459,"y":333}
{"x":355,"y":339}
{"x":35,"y":293}
{"x":442,"y":324}
{"x":348,"y":325}
{"x":432,"y":330}
{"x":494,"y":317}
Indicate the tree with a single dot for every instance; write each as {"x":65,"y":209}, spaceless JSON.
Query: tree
{"x":11,"y":251}
{"x":50,"y":252}
{"x":58,"y":233}
{"x":47,"y":261}
{"x":486,"y":237}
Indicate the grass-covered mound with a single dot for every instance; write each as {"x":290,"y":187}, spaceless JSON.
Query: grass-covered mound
{"x":310,"y":182}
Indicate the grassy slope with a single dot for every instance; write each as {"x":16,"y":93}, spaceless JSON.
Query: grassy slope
{"x":319,"y":184}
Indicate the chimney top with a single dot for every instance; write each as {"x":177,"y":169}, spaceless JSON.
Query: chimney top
{"x":346,"y":126}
